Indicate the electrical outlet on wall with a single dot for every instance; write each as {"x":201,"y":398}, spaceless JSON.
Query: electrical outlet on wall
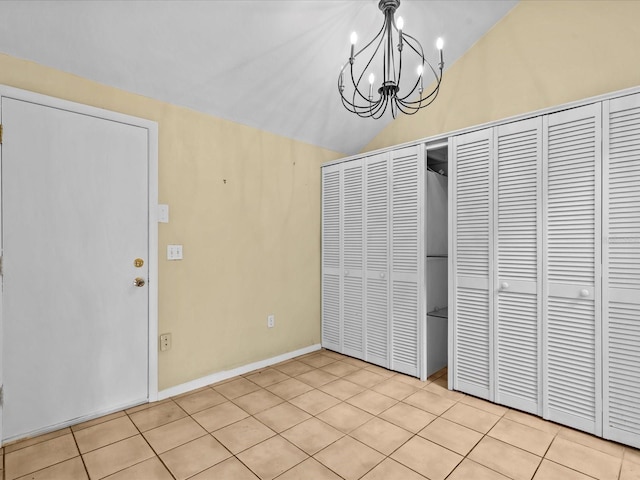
{"x":165,"y":342}
{"x":271,"y":321}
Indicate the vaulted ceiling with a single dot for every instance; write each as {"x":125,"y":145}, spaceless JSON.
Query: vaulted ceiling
{"x":268,"y":64}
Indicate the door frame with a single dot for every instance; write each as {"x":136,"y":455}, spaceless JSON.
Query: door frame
{"x":152,"y":209}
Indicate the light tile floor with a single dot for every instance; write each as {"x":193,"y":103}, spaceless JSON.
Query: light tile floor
{"x":320,"y":416}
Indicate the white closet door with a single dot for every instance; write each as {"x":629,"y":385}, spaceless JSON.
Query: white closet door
{"x":353,"y":259}
{"x":377,"y":259}
{"x":572,"y":269}
{"x":331,"y":258}
{"x":621,"y":263}
{"x":472,"y":259}
{"x":518,"y":243}
{"x":407,"y":260}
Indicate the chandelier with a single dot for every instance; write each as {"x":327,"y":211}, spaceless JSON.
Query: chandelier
{"x":404,"y":93}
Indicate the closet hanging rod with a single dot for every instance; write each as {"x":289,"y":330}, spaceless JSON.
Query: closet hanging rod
{"x":434,"y":146}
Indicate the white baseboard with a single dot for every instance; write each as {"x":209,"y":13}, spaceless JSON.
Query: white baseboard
{"x":220,"y":376}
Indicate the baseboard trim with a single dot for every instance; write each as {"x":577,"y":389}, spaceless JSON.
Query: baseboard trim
{"x":224,"y":375}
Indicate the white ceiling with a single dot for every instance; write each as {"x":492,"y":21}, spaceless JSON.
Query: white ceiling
{"x":267,"y":64}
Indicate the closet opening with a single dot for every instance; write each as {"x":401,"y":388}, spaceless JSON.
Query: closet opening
{"x":437,"y":160}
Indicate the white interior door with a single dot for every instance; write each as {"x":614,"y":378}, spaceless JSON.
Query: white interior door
{"x":74,"y":219}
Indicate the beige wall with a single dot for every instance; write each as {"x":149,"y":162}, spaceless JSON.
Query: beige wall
{"x":251,"y":245}
{"x":541,"y":54}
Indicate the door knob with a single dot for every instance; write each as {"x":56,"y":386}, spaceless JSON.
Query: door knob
{"x":138,"y":282}
{"x":504,"y":285}
{"x":584,"y":292}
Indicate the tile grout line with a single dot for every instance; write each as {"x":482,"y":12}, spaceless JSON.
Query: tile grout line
{"x":75,"y":440}
{"x":349,"y":434}
{"x":147,"y":442}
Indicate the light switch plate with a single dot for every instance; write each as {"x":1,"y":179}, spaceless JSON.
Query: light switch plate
{"x":163,"y":213}
{"x":174,"y":252}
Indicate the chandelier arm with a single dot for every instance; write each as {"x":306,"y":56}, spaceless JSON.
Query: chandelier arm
{"x":434,"y":93}
{"x":372,"y":109}
{"x":349,"y":106}
{"x":438,"y":79}
{"x":356,"y":85}
{"x":409,"y":37}
{"x":420,"y":103}
{"x":381,"y":108}
{"x":379,"y":34}
{"x":435,"y":90}
{"x":411,"y":92}
{"x":363,"y":111}
{"x":429,"y":100}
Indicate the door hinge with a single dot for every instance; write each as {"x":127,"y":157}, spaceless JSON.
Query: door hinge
{"x":0,"y":134}
{"x":1,"y":395}
{"x":1,"y":272}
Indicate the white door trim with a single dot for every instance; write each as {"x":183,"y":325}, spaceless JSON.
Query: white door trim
{"x":152,"y":129}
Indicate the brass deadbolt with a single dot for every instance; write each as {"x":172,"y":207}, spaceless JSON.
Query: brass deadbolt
{"x":138,"y":262}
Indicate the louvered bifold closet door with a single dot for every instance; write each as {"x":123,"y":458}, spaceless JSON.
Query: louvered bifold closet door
{"x":407,"y":260}
{"x":353,"y":258}
{"x":331,"y":257}
{"x":572,"y":268}
{"x":621,"y":263}
{"x":472,"y":260}
{"x":377,"y":259}
{"x":518,"y":243}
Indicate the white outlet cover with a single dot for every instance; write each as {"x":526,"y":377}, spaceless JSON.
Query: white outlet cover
{"x":163,"y":213}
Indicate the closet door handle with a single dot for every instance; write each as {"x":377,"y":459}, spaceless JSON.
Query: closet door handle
{"x":504,"y":286}
{"x":346,"y":272}
{"x":382,"y":275}
{"x":584,"y":292}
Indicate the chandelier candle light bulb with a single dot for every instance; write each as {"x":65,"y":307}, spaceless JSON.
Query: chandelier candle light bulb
{"x":354,"y":39}
{"x":372,"y":78}
{"x":398,"y":92}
